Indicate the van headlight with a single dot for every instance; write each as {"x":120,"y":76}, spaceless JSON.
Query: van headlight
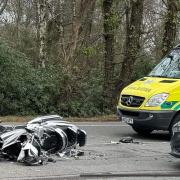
{"x":157,"y":100}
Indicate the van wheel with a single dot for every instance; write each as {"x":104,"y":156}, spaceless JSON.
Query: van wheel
{"x":141,"y":130}
{"x":174,"y":121}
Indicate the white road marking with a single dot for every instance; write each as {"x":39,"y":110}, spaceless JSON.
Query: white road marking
{"x":103,"y":125}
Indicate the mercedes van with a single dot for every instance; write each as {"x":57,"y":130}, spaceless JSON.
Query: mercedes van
{"x":153,"y":102}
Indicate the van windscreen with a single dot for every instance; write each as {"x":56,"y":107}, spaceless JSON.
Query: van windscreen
{"x":169,"y":67}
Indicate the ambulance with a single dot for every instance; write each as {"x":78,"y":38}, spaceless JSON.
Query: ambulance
{"x":153,"y":102}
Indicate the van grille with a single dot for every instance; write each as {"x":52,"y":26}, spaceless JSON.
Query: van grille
{"x":131,"y":101}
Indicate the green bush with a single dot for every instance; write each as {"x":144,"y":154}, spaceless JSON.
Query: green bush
{"x":21,"y":86}
{"x":25,"y":90}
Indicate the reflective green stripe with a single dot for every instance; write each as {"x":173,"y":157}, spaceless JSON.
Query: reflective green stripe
{"x":177,"y":107}
{"x":168,"y":105}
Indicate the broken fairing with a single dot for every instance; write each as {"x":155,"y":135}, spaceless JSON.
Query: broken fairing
{"x":32,"y":144}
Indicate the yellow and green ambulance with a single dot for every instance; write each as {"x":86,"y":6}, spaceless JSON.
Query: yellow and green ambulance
{"x":153,"y":102}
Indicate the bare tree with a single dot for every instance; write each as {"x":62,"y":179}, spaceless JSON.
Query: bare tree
{"x":170,"y":27}
{"x":60,"y":26}
{"x":42,"y":16}
{"x":19,"y":14}
{"x":134,"y":17}
{"x":79,"y":11}
{"x":88,"y":22}
{"x":109,"y":51}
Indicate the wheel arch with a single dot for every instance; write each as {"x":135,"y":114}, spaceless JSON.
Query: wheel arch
{"x":172,"y":120}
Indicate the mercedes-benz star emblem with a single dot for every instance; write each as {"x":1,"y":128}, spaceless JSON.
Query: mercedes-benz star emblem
{"x":129,"y":101}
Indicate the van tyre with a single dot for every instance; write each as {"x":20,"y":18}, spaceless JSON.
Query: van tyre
{"x":174,"y":121}
{"x":141,"y":130}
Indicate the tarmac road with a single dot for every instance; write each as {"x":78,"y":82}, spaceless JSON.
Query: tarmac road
{"x":105,"y":158}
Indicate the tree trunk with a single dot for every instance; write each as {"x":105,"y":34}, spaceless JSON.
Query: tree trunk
{"x":109,"y":53}
{"x":42,"y":14}
{"x":19,"y":14}
{"x":35,"y":62}
{"x":87,"y":26}
{"x":170,"y":27}
{"x":134,"y":19}
{"x":59,"y":20}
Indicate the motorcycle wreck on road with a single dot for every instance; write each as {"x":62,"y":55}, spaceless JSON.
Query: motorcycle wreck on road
{"x":35,"y":142}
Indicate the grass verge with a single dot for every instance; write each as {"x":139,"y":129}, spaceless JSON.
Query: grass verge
{"x":104,"y":118}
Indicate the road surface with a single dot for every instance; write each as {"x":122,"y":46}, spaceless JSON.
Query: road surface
{"x":105,"y":158}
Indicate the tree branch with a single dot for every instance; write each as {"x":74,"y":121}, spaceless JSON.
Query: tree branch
{"x":4,"y":4}
{"x":164,"y":3}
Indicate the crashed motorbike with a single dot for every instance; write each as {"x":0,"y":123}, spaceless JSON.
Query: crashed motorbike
{"x":41,"y":137}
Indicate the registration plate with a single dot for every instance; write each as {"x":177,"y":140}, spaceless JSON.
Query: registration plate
{"x":127,"y":120}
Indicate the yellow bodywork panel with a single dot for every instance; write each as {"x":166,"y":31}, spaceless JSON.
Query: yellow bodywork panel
{"x":150,"y":86}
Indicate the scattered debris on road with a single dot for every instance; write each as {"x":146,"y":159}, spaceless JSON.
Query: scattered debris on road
{"x":35,"y":142}
{"x":114,"y":142}
{"x":128,"y":140}
{"x":125,"y":140}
